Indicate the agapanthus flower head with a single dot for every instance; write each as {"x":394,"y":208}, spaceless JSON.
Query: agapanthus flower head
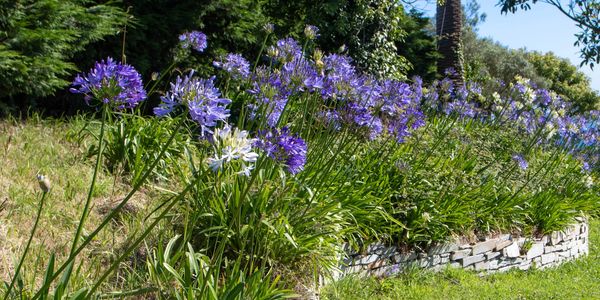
{"x":201,"y":98}
{"x":194,"y":39}
{"x":236,"y":65}
{"x":300,"y":74}
{"x":311,"y":32}
{"x":269,"y":28}
{"x":518,"y":158}
{"x":232,"y":144}
{"x":270,"y":94}
{"x":286,"y":50}
{"x":285,"y":148}
{"x":115,"y":84}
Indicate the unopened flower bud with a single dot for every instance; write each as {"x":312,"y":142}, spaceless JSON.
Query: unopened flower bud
{"x":269,"y":28}
{"x":44,"y":183}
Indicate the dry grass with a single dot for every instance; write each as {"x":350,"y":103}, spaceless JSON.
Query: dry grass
{"x":41,"y":147}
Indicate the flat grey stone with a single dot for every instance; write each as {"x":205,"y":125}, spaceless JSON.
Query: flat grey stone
{"x":493,"y":264}
{"x":403,"y":257}
{"x":483,"y":247}
{"x":548,"y":258}
{"x":372,"y":248}
{"x":482,"y":266}
{"x":525,"y":266}
{"x":368,"y":259}
{"x":491,"y":255}
{"x":442,"y":248}
{"x":512,"y":250}
{"x":376,"y":264}
{"x":459,"y":254}
{"x":502,"y":244}
{"x":469,"y":260}
{"x":556,"y":237}
{"x":536,"y":250}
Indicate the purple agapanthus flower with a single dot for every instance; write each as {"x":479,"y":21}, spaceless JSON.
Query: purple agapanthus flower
{"x":236,"y":65}
{"x":287,"y":49}
{"x":520,"y":161}
{"x":270,"y":94}
{"x":202,"y":99}
{"x":115,"y":84}
{"x":194,"y":39}
{"x":284,"y":147}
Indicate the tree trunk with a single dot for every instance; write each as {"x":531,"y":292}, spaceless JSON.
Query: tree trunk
{"x":449,"y":28}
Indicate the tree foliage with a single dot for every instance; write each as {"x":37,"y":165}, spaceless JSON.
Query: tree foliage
{"x":564,"y":78}
{"x":369,"y":30}
{"x":39,"y":37}
{"x":585,"y":14}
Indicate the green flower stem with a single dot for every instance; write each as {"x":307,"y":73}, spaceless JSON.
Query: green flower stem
{"x":18,"y":269}
{"x":262,"y":48}
{"x":110,"y":216}
{"x":86,"y":207}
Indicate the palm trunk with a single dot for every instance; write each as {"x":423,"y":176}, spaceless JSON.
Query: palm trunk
{"x":449,"y":28}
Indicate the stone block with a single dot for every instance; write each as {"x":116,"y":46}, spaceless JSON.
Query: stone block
{"x":443,"y":248}
{"x":444,"y":259}
{"x":512,"y":250}
{"x":386,"y":252}
{"x":548,"y":258}
{"x":524,"y":266}
{"x":502,"y":244}
{"x":381,"y":272}
{"x":353,"y":269}
{"x":494,"y":264}
{"x":482,"y":266}
{"x":465,"y":246}
{"x":483,"y":247}
{"x":459,"y":254}
{"x":536,"y":250}
{"x":404,"y":257}
{"x":492,"y":255}
{"x":425,"y":262}
{"x":373,"y":248}
{"x":376,"y":264}
{"x":556,"y":237}
{"x":469,"y":260}
{"x":368,"y":259}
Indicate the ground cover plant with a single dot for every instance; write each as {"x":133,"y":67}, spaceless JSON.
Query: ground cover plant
{"x":260,"y":173}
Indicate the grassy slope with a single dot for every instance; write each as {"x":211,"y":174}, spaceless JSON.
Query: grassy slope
{"x":574,"y":280}
{"x":41,"y":147}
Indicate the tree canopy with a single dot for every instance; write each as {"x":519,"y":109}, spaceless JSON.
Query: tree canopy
{"x":585,"y":14}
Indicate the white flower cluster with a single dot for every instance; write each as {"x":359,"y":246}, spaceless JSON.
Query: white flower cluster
{"x":233,"y":144}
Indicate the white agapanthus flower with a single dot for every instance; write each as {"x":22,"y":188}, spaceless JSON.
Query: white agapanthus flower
{"x":232,"y":144}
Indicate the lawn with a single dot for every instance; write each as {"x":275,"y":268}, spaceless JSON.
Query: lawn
{"x":44,"y":147}
{"x":579,"y":279}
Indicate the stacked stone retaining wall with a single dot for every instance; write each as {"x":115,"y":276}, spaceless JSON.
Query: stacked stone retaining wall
{"x":497,"y":254}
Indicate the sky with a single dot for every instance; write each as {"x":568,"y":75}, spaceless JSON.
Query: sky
{"x":543,"y":28}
